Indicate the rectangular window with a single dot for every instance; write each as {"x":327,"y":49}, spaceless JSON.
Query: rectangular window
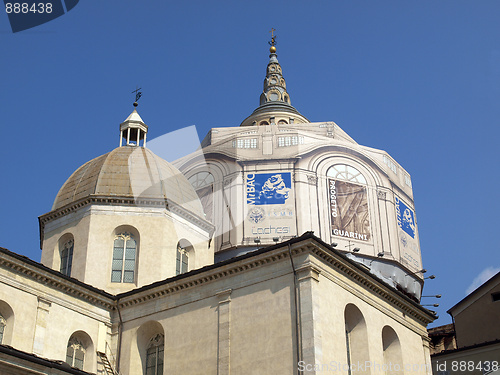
{"x":64,"y":261}
{"x":288,"y":141}
{"x":79,"y":357}
{"x":495,"y":296}
{"x":178,"y":263}
{"x":2,"y":327}
{"x":391,"y":164}
{"x":70,"y":261}
{"x":184,"y":262}
{"x":69,"y":355}
{"x":245,"y":143}
{"x":407,"y":180}
{"x":117,"y":265}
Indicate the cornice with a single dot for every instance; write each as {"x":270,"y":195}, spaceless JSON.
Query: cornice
{"x":127,"y":201}
{"x":307,"y":243}
{"x":53,"y":279}
{"x":368,"y":281}
{"x":304,"y":245}
{"x":199,"y":277}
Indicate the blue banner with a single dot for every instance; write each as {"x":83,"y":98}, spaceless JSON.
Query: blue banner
{"x":268,"y":188}
{"x":406,"y":218}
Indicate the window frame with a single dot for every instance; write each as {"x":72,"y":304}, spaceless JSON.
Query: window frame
{"x":76,"y":347}
{"x":156,"y":348}
{"x":181,"y":260}
{"x":349,"y":174}
{"x":66,"y":255}
{"x":122,"y":254}
{"x":3,"y":325}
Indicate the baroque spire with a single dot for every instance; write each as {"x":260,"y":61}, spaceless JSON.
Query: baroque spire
{"x":274,"y":83}
{"x":275,"y":105}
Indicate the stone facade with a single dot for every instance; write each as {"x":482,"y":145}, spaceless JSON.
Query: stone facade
{"x":250,"y":313}
{"x":283,"y":247}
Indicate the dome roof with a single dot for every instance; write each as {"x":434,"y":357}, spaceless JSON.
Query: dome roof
{"x":129,"y":171}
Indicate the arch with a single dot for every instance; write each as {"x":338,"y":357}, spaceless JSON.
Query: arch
{"x":6,"y":323}
{"x":184,"y":256}
{"x":203,"y":183}
{"x":356,"y":337}
{"x":150,"y":345}
{"x":66,"y":247}
{"x":322,"y":158}
{"x":393,"y":359}
{"x":80,"y":351}
{"x":264,"y":123}
{"x":346,"y":172}
{"x":125,"y":254}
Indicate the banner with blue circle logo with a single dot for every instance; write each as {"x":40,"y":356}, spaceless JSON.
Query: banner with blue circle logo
{"x":407,"y":229}
{"x":270,"y":205}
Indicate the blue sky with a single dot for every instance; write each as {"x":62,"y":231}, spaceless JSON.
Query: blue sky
{"x":419,"y":79}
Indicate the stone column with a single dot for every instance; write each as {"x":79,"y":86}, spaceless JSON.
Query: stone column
{"x":224,"y":332}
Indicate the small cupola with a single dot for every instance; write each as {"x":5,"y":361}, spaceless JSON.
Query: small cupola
{"x":133,"y":130}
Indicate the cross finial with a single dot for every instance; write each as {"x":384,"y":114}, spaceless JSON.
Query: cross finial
{"x":273,"y":37}
{"x":138,"y":95}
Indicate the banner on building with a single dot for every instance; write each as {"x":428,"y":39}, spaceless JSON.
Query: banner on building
{"x":270,"y":205}
{"x":407,"y":232}
{"x":349,"y":210}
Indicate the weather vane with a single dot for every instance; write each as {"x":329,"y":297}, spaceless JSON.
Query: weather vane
{"x":138,"y":95}
{"x":273,"y":38}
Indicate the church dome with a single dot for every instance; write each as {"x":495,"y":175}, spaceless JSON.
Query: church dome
{"x":131,"y":172}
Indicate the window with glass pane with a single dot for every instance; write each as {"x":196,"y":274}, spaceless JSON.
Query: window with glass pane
{"x":154,"y":356}
{"x":124,"y":254}
{"x":67,"y":258}
{"x":3,"y":323}
{"x":346,"y":173}
{"x":75,"y":354}
{"x":182,"y":260}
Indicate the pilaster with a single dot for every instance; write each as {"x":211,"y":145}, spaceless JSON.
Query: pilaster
{"x":224,"y":332}
{"x":307,"y":277}
{"x":42,"y":313}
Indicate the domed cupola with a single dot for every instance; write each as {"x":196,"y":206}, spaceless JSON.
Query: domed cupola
{"x":118,"y":220}
{"x":275,"y":105}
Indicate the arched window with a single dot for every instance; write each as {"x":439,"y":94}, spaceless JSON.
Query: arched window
{"x":3,"y":324}
{"x":182,"y":260}
{"x":6,"y":323}
{"x":67,"y":258}
{"x":154,"y":355}
{"x":203,"y":183}
{"x":356,"y":336}
{"x":349,"y":212}
{"x":75,"y":353}
{"x":124,"y":255}
{"x":392,"y":351}
{"x":346,"y":173}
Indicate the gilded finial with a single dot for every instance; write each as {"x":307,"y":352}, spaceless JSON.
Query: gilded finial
{"x":272,"y":43}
